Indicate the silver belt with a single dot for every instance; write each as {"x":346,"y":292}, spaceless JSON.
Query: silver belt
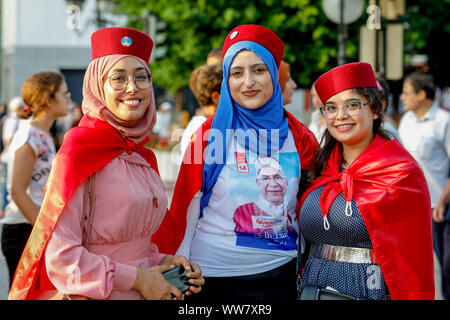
{"x":343,"y":254}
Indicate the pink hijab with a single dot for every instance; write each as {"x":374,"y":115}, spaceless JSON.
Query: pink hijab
{"x":94,"y":99}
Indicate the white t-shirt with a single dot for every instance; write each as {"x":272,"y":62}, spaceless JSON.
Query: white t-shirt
{"x":216,"y":241}
{"x":44,"y":148}
{"x":192,"y":126}
{"x":428,"y":141}
{"x":10,"y":127}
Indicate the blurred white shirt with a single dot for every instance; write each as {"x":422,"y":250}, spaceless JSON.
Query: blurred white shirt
{"x":428,"y":141}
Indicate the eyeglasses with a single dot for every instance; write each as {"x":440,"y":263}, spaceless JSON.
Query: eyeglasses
{"x":352,"y":108}
{"x":120,"y":82}
{"x":276,"y":178}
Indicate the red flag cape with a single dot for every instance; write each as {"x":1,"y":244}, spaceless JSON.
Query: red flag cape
{"x":171,"y":232}
{"x":392,"y":195}
{"x":85,"y":149}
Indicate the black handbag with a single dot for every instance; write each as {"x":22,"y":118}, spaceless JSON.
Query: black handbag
{"x":311,"y":292}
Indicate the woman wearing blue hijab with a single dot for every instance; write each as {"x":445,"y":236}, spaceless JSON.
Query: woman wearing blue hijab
{"x":234,"y":212}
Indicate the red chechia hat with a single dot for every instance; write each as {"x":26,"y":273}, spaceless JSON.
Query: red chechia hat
{"x":348,"y":76}
{"x":128,"y":41}
{"x":258,"y":34}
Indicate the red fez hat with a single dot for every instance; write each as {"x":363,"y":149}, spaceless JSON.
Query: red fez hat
{"x":258,"y":34}
{"x":127,"y":41}
{"x":348,"y":76}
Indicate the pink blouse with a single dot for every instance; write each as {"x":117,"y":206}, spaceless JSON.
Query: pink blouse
{"x":124,"y":219}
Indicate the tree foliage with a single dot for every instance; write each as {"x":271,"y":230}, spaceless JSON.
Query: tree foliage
{"x":194,"y":27}
{"x":427,"y":31}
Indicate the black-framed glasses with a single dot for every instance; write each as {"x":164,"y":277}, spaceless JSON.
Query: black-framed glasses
{"x":120,"y":82}
{"x":352,"y":108}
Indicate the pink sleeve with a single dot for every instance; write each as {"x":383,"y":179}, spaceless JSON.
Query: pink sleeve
{"x":73,"y":269}
{"x":155,"y":256}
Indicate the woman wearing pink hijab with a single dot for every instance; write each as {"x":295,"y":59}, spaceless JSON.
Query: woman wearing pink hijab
{"x":105,"y":198}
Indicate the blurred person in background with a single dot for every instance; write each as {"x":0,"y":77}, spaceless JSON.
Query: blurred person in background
{"x":3,"y":114}
{"x":425,"y":132}
{"x":215,"y":56}
{"x":205,"y":83}
{"x":30,"y":159}
{"x":441,"y":214}
{"x":64,"y":124}
{"x":163,"y":122}
{"x":389,"y":123}
{"x":10,"y":125}
{"x":317,"y":124}
{"x":287,"y":84}
{"x":77,"y":115}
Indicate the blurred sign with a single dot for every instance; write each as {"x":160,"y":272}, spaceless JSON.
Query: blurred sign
{"x":394,"y":51}
{"x":391,"y":9}
{"x":367,"y":47}
{"x":383,"y":49}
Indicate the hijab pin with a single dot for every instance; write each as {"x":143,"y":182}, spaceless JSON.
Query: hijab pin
{"x":155,"y":202}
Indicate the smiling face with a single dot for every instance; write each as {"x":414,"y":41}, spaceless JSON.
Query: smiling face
{"x":272,"y":184}
{"x":351,"y":129}
{"x":130,"y":103}
{"x":250,"y":81}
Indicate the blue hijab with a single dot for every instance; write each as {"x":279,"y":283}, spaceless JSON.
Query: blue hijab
{"x":230,"y":115}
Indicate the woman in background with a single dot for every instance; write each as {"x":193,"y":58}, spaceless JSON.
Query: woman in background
{"x":31,"y":153}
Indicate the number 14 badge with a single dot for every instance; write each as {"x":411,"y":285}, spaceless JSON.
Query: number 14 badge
{"x":241,"y":162}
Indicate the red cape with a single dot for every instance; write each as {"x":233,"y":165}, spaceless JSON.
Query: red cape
{"x":85,"y":150}
{"x":392,"y":195}
{"x":171,"y":232}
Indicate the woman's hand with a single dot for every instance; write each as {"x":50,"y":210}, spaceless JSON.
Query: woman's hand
{"x":153,"y":286}
{"x":195,"y":274}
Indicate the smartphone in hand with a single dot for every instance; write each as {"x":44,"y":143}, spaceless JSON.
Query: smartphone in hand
{"x":177,"y":278}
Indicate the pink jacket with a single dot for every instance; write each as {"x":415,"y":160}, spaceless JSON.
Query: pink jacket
{"x":124,"y":220}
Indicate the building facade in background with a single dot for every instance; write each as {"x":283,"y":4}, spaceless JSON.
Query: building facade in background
{"x":46,"y":35}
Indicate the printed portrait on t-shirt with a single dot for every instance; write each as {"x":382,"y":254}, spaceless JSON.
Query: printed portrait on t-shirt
{"x":264,"y":218}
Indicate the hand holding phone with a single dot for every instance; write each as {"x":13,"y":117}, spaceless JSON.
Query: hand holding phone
{"x":177,"y":277}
